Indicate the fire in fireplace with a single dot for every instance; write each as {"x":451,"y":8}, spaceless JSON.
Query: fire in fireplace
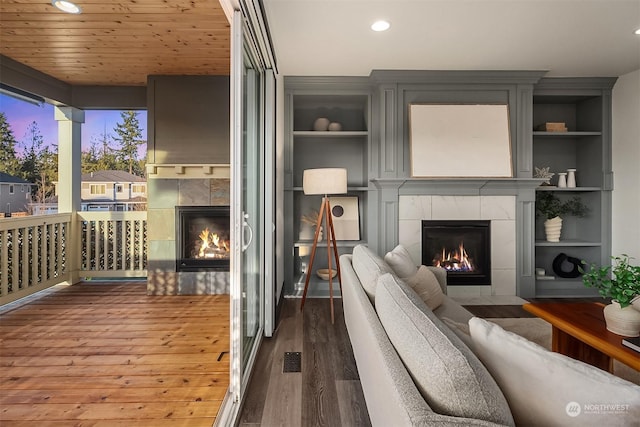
{"x":461,"y":247}
{"x":202,"y":241}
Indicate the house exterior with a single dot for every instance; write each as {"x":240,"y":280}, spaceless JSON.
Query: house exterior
{"x":106,"y":190}
{"x":112,"y":190}
{"x":15,"y":194}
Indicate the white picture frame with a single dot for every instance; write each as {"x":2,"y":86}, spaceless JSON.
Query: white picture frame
{"x":345,"y":217}
{"x":460,"y":140}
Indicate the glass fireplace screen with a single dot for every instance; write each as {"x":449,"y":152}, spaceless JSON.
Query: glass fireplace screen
{"x":203,"y":240}
{"x":461,"y":247}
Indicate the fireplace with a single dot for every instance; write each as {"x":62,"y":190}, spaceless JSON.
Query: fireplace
{"x":203,"y":238}
{"x":461,"y":247}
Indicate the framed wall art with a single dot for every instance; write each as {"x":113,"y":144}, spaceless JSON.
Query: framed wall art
{"x":345,"y":217}
{"x":459,"y":140}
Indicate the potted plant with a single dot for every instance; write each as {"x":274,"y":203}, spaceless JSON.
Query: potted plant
{"x":549,"y":206}
{"x":621,"y":283}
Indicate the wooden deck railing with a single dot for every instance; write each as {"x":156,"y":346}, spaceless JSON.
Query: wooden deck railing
{"x":33,"y":254}
{"x":113,"y":244}
{"x":36,"y":252}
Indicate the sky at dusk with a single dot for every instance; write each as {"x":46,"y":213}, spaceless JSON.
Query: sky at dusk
{"x":20,"y":114}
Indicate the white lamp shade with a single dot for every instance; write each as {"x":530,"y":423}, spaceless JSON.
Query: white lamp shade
{"x":324,"y":181}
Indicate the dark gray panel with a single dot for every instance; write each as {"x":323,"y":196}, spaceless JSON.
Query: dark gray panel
{"x":190,"y":119}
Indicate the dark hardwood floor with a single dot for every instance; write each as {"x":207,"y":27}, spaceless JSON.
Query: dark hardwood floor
{"x":326,"y":392}
{"x":497,"y":311}
{"x":503,"y":311}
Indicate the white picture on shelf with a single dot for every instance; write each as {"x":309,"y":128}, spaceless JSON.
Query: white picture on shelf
{"x":345,"y":217}
{"x":459,"y":140}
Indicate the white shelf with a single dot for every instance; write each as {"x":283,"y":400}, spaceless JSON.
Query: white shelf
{"x":565,"y":134}
{"x":329,"y":134}
{"x":567,"y":189}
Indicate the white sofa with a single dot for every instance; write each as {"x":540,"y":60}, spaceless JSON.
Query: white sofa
{"x":417,"y":370}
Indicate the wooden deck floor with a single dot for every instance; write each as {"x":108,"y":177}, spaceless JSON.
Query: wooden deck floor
{"x":109,"y":355}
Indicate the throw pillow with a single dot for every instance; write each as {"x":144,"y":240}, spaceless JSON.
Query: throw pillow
{"x":400,"y":261}
{"x":425,"y":284}
{"x":447,"y":374}
{"x":460,"y":329}
{"x":545,"y":388}
{"x":368,"y":267}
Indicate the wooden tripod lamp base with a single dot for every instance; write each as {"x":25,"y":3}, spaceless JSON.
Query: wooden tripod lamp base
{"x":324,"y":181}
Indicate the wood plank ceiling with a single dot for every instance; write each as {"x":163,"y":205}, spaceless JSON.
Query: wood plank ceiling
{"x":117,"y":43}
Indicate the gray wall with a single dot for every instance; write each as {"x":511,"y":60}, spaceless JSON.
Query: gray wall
{"x":188,"y":119}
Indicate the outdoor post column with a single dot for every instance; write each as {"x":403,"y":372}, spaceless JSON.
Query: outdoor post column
{"x":69,"y":180}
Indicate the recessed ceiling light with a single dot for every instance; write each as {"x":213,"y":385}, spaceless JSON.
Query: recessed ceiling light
{"x":638,"y":32}
{"x":380,"y":26}
{"x":66,"y":6}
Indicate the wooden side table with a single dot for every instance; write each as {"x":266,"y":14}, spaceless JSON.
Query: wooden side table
{"x":579,"y":331}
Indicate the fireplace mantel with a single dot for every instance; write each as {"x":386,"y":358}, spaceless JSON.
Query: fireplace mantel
{"x":187,"y":170}
{"x":385,"y":196}
{"x":458,"y":186}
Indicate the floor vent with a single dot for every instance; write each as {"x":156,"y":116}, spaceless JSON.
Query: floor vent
{"x":292,"y":362}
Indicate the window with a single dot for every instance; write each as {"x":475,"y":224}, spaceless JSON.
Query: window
{"x":98,"y":208}
{"x":98,"y":189}
{"x":11,"y":189}
{"x":137,"y":188}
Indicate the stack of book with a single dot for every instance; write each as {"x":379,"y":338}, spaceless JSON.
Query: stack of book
{"x":552,"y":127}
{"x":632,"y":343}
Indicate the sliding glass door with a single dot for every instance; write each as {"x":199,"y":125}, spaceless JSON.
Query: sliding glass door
{"x":250,"y":270}
{"x":250,"y":181}
{"x":252,"y":201}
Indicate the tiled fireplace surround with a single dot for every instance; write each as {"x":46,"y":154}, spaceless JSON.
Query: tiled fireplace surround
{"x":399,"y":205}
{"x":507,"y":245}
{"x":164,"y":196}
{"x":500,"y":210}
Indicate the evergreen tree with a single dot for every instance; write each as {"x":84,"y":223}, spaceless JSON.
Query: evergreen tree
{"x":39,"y":163}
{"x":32,"y":144}
{"x":89,"y":159}
{"x":9,"y":162}
{"x":100,"y":156}
{"x":129,"y":139}
{"x":48,"y":173}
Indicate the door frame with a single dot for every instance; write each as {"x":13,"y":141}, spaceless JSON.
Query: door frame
{"x":243,"y":36}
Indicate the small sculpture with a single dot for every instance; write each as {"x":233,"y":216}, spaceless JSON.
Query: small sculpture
{"x":311,"y":219}
{"x":321,"y":124}
{"x":335,"y":127}
{"x":544,"y":174}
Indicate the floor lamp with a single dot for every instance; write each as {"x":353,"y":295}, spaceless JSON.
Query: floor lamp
{"x":324,"y":182}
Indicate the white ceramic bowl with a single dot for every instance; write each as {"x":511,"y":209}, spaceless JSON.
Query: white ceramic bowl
{"x":323,"y":273}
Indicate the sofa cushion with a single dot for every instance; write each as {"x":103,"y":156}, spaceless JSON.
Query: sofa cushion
{"x":460,"y":329}
{"x":441,"y":275}
{"x":368,"y":267}
{"x":425,"y":284}
{"x":453,"y":310}
{"x":546,"y":388}
{"x":400,"y":262}
{"x":448,"y":375}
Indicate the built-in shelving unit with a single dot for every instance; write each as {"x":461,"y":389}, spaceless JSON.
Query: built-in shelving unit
{"x":345,"y":101}
{"x":373,"y":145}
{"x":584,"y":105}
